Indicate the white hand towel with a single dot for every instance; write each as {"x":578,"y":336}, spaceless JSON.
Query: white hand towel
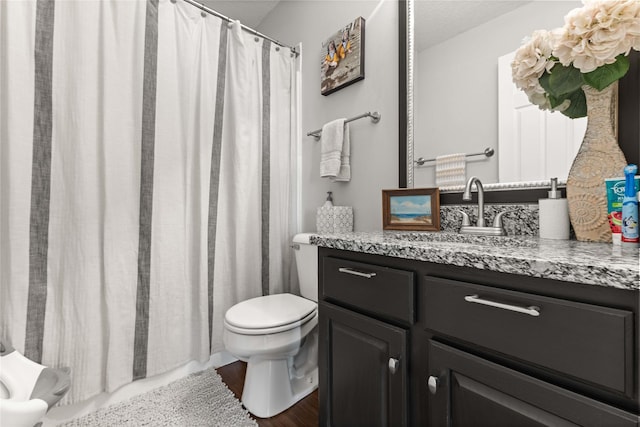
{"x":344,"y":175}
{"x":451,"y":169}
{"x":332,"y":148}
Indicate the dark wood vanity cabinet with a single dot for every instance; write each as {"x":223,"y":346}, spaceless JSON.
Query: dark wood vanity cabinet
{"x":468,"y":390}
{"x":365,"y":312}
{"x":364,"y":377}
{"x":590,"y":342}
{"x":501,"y":356}
{"x":476,"y":348}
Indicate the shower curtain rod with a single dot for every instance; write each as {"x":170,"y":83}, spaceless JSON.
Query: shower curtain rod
{"x":244,"y":27}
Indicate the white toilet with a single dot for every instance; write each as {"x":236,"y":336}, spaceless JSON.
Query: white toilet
{"x":27,"y":389}
{"x":277,"y":335}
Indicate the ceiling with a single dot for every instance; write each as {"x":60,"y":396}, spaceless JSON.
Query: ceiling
{"x":436,"y":20}
{"x":439,"y":20}
{"x":250,"y":13}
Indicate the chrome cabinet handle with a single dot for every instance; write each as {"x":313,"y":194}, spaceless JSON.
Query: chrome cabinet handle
{"x":356,"y":272}
{"x":532,"y":310}
{"x":393,"y":365}
{"x":433,"y":384}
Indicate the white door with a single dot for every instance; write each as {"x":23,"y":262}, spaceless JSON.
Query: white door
{"x":533,"y":144}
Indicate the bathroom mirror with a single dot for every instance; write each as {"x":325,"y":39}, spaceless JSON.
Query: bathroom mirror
{"x":483,"y":24}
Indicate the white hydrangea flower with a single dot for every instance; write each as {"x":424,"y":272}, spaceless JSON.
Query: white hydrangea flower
{"x":532,"y":60}
{"x":595,"y":34}
{"x":539,"y":99}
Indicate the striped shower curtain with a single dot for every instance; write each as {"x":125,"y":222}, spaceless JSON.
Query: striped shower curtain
{"x":145,"y":162}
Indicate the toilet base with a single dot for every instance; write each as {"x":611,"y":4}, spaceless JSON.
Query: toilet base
{"x":271,"y":386}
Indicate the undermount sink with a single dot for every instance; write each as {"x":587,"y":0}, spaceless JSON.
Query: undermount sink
{"x":470,"y":239}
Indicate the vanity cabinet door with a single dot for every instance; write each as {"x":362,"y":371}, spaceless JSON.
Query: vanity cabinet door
{"x":465,"y":390}
{"x":363,"y":370}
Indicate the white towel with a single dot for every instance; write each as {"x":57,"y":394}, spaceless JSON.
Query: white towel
{"x":335,"y":149}
{"x":344,"y":175}
{"x":451,"y":169}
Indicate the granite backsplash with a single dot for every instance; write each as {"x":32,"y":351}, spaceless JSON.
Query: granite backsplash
{"x":518,"y":220}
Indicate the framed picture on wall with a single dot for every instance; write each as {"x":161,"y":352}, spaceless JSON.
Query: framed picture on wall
{"x":342,"y":57}
{"x":411,"y":209}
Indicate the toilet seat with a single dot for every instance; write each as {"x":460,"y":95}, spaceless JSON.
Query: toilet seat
{"x":269,"y":314}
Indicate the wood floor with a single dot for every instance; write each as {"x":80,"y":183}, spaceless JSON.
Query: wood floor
{"x":302,"y":414}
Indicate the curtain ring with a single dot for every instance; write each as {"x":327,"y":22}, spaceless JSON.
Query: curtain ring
{"x":277,"y":48}
{"x":256,"y":39}
{"x":173,"y":1}
{"x":204,"y":15}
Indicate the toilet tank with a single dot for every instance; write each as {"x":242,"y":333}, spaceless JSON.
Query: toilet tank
{"x":307,"y":265}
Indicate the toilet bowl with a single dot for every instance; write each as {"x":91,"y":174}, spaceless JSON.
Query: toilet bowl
{"x":277,"y":335}
{"x":27,"y":389}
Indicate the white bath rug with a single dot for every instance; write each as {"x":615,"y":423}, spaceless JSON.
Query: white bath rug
{"x":201,"y":399}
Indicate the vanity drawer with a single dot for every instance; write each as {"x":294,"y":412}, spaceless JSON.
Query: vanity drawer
{"x":587,"y":342}
{"x":382,"y":291}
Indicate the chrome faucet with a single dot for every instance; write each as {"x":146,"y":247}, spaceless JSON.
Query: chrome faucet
{"x":480,"y":228}
{"x":467,"y":196}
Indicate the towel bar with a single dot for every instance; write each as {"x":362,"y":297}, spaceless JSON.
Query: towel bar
{"x":487,"y":152}
{"x":375,"y":118}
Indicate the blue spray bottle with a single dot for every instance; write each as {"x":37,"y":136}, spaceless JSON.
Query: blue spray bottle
{"x":630,"y":207}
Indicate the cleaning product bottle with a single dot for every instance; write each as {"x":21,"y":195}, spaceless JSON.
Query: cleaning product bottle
{"x":630,"y":208}
{"x":554,"y":214}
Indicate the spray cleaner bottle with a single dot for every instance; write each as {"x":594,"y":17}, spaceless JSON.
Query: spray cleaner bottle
{"x":630,"y":208}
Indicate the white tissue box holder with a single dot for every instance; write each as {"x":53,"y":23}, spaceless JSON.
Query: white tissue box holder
{"x":334,"y":219}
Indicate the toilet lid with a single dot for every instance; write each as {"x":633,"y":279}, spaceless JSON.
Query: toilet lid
{"x":269,"y":311}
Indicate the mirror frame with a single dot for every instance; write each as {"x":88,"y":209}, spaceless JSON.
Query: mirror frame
{"x":628,"y":118}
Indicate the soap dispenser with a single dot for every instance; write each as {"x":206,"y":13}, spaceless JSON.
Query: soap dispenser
{"x":325,"y":216}
{"x":554,"y":214}
{"x":334,"y":219}
{"x":329,"y":202}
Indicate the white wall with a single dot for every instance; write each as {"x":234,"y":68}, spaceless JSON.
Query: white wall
{"x":457,"y":104}
{"x":374,"y":147}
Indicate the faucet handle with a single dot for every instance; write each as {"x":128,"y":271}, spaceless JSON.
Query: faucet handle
{"x":465,"y":219}
{"x":497,"y":221}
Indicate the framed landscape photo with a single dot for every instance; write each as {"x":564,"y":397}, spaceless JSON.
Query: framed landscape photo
{"x":411,"y":209}
{"x":342,"y":57}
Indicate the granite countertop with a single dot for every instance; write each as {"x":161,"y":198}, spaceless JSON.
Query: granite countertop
{"x":601,"y":264}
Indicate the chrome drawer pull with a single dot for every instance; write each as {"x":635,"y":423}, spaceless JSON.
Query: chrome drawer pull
{"x":532,"y":310}
{"x":356,"y":272}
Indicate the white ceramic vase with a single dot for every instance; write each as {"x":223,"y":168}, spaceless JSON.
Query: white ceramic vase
{"x":598,"y":158}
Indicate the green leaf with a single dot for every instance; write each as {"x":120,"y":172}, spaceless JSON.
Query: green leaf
{"x":578,"y":106}
{"x":564,"y":80}
{"x":554,"y":101}
{"x":544,"y":82}
{"x":606,"y":74}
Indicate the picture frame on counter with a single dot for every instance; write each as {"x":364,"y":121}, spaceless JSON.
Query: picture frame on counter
{"x":415,"y":209}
